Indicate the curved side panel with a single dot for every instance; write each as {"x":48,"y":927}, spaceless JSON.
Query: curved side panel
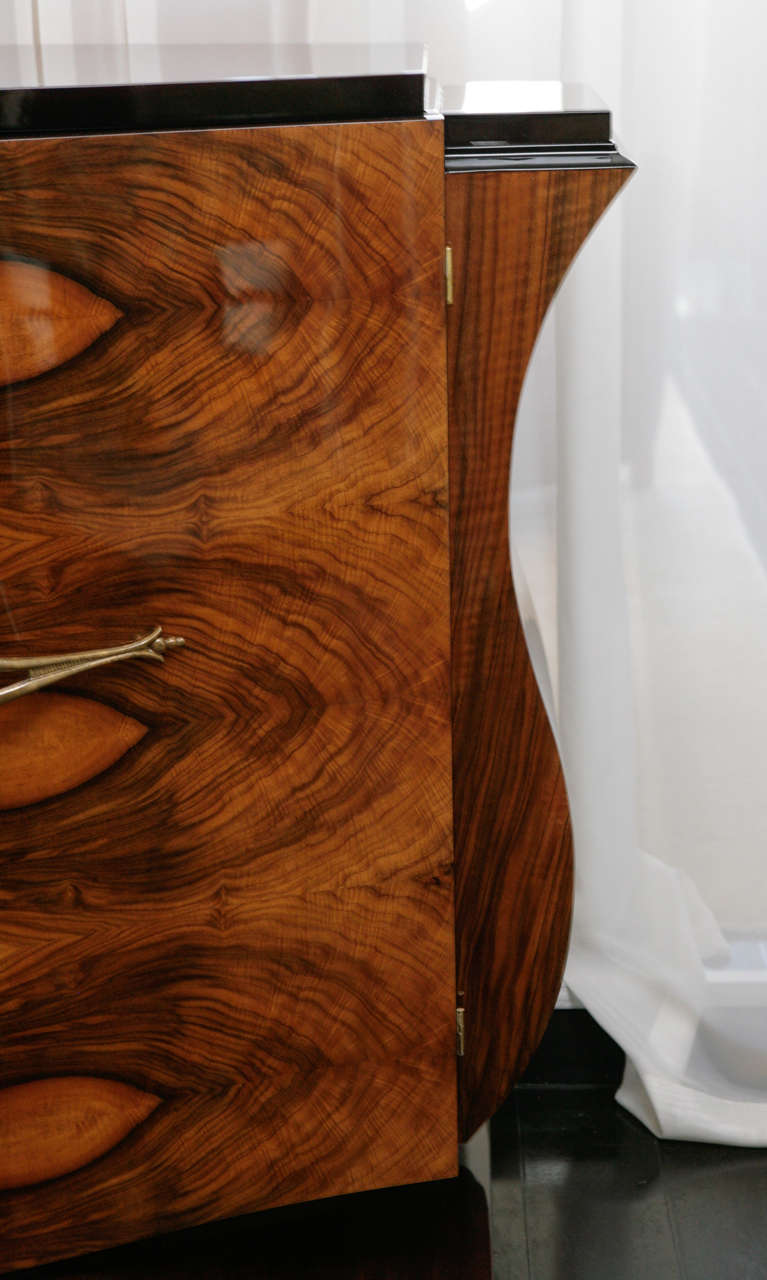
{"x":513,"y":236}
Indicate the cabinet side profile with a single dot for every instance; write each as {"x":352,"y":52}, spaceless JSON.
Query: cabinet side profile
{"x":516,"y":214}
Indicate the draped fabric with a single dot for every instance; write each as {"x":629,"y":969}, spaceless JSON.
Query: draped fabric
{"x":639,"y":535}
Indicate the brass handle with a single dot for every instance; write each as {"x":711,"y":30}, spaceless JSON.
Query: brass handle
{"x":47,"y":670}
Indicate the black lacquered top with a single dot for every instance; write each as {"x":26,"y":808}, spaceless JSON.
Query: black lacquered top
{"x":63,"y":89}
{"x":526,"y":124}
{"x":76,"y":89}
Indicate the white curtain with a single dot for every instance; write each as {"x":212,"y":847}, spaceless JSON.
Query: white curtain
{"x":638,"y":522}
{"x":639,"y":528}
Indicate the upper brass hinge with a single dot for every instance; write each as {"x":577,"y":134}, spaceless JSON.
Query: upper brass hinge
{"x":449,"y":275}
{"x":459,"y":1026}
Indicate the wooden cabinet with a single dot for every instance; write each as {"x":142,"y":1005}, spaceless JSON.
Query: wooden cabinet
{"x":228,"y":975}
{"x":227,"y":934}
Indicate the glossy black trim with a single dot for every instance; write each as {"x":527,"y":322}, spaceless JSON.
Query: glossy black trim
{"x":497,"y":125}
{"x":529,"y":129}
{"x":486,"y":158}
{"x":38,"y":112}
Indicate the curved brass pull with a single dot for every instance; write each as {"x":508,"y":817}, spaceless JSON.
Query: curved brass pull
{"x":47,"y":670}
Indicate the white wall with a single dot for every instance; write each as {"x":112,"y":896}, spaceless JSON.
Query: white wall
{"x":467,"y":38}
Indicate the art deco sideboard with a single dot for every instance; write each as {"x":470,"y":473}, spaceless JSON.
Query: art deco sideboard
{"x":285,"y":849}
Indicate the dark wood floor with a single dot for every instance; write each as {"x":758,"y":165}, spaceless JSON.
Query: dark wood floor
{"x":580,"y":1191}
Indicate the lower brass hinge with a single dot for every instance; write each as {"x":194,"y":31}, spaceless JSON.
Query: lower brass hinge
{"x":449,"y":275}
{"x":459,"y":1026}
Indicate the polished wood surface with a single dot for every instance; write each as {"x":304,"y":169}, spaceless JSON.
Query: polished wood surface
{"x":51,"y":1127}
{"x":53,"y":742}
{"x":249,"y":913}
{"x":513,"y":236}
{"x":45,"y":319}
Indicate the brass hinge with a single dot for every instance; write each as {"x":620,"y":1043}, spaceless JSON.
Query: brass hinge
{"x":459,"y":1026}
{"x":449,"y":275}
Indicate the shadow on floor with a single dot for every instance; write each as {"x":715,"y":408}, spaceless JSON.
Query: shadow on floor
{"x":582,"y":1191}
{"x":435,"y":1231}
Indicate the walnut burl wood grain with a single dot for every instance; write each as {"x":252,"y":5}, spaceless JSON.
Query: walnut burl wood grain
{"x":50,"y":1127}
{"x":52,"y":742}
{"x":45,"y":319}
{"x":249,"y":915}
{"x":513,"y":236}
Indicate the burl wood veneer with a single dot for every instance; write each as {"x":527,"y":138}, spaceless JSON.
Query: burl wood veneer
{"x":45,"y":319}
{"x":226,"y":882}
{"x":513,"y":235}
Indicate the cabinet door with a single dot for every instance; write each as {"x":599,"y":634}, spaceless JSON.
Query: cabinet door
{"x":226,"y":900}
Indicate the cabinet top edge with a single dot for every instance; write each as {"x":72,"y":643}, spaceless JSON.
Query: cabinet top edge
{"x":59,"y":90}
{"x":526,"y":124}
{"x":63,"y":90}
